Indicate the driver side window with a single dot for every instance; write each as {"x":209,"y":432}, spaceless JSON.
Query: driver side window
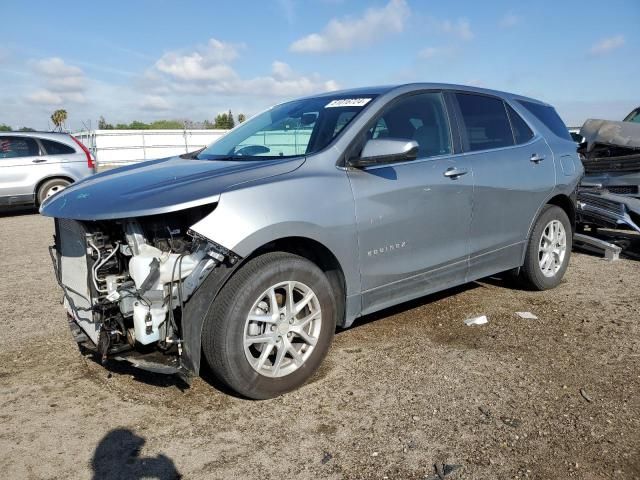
{"x":419,"y":117}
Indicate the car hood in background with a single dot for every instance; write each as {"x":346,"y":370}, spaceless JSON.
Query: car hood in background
{"x":607,"y":132}
{"x":158,"y":186}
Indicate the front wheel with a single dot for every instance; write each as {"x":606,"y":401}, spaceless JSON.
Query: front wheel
{"x":271,"y":326}
{"x":549,"y":249}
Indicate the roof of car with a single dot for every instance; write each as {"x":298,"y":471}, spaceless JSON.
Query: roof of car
{"x":382,"y":89}
{"x":36,"y":133}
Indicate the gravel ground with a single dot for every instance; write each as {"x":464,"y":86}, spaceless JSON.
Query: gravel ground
{"x":400,"y":391}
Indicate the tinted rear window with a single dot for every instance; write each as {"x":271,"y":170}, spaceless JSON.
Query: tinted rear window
{"x":56,"y":148}
{"x":549,"y":117}
{"x":521,"y":131}
{"x":485,"y":121}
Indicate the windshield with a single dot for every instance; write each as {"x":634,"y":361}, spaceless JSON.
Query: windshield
{"x":291,"y":129}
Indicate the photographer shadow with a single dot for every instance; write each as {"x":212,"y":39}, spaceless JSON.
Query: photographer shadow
{"x":117,"y":456}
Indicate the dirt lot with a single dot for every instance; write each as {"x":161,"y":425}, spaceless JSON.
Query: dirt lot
{"x":399,"y":392}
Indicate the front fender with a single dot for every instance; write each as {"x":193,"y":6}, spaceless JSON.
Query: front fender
{"x":256,"y":214}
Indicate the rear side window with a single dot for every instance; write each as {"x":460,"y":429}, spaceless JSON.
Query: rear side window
{"x":16,"y":147}
{"x":485,"y":122}
{"x":549,"y":117}
{"x":56,"y":148}
{"x":521,"y":131}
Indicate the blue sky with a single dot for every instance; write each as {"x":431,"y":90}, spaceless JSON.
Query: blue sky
{"x":146,"y":60}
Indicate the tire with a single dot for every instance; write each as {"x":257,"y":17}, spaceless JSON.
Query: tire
{"x":253,"y":371}
{"x":50,"y":187}
{"x":533,"y":274}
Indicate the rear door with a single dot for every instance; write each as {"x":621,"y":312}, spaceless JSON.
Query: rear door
{"x":514,"y":174}
{"x":20,"y":158}
{"x":413,"y":218}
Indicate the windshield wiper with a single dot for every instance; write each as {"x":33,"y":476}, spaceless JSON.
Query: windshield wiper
{"x":221,"y":157}
{"x":245,"y":157}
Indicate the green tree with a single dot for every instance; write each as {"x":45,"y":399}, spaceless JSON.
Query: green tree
{"x":221,"y":121}
{"x":241,"y":117}
{"x":230,"y":121}
{"x":4,"y":128}
{"x":59,"y":117}
{"x":26,"y":129}
{"x":103,"y":125}
{"x":167,"y":125}
{"x":136,"y":125}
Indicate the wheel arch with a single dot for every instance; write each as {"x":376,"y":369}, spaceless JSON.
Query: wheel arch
{"x":567,"y":204}
{"x":46,"y":179}
{"x":318,"y":254}
{"x":561,"y":200}
{"x":198,"y":306}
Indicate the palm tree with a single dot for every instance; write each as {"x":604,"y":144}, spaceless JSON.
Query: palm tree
{"x":58,"y":118}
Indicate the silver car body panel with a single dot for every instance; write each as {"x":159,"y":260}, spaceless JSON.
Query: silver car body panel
{"x":398,"y":231}
{"x":20,"y":177}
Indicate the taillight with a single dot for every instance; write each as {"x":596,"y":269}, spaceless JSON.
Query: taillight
{"x":90,"y":162}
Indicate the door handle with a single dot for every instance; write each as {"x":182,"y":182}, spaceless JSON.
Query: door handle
{"x":453,"y":173}
{"x":535,"y":158}
{"x":38,"y":160}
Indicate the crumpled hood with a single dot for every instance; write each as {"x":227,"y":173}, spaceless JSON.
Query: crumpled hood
{"x":158,"y":186}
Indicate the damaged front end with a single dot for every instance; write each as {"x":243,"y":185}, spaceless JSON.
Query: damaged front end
{"x":127,"y":284}
{"x":609,"y":194}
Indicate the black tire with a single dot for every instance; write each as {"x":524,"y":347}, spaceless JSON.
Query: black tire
{"x":46,"y":187}
{"x":224,"y":328}
{"x":531,"y":274}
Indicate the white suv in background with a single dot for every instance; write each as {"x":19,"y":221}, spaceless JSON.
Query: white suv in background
{"x":36,"y":165}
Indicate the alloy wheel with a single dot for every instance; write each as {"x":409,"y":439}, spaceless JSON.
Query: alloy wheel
{"x":282,"y":329}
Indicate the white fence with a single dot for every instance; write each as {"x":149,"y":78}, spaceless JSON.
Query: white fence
{"x":113,"y":148}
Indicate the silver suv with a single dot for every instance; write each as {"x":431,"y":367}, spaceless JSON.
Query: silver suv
{"x":309,"y":215}
{"x":35,"y":165}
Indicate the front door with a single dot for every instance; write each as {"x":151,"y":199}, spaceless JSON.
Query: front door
{"x":413,"y":217}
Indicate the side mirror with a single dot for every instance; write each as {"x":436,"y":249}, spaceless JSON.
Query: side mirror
{"x":385,"y":150}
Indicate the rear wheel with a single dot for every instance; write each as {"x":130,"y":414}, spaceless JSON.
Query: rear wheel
{"x":549,"y":249}
{"x":51,"y":187}
{"x":271,"y":326}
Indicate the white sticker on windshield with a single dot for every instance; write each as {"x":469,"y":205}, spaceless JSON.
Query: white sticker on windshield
{"x":348,"y":102}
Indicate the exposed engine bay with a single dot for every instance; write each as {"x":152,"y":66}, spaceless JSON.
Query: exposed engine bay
{"x":126,"y":282}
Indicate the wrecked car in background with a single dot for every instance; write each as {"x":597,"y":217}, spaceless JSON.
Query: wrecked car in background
{"x":307,"y":216}
{"x":609,"y":195}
